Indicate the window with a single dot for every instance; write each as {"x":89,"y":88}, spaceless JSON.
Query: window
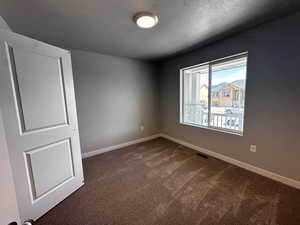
{"x":226,"y":92}
{"x":213,"y":94}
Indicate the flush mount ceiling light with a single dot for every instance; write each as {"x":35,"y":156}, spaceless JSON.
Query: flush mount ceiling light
{"x":145,"y":20}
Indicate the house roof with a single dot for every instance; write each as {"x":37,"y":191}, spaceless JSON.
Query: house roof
{"x":238,"y":83}
{"x":219,"y":86}
{"x":204,"y":85}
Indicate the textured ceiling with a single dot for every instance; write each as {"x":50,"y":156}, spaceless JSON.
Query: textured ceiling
{"x":106,"y":26}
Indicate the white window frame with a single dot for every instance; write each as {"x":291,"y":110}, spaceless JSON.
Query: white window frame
{"x":181,"y":101}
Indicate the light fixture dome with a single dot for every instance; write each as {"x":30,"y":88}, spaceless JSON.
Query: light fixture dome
{"x":145,"y":20}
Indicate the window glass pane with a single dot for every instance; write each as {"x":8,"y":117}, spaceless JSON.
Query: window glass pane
{"x":195,"y":95}
{"x":228,"y":83}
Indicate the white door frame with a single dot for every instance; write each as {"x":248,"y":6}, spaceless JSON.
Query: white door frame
{"x":8,"y":207}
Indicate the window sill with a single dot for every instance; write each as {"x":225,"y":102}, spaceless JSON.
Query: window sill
{"x":238,"y":133}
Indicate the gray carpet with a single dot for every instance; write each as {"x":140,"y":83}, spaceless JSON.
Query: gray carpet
{"x":162,"y":183}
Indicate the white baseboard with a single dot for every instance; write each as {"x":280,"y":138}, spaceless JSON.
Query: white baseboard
{"x":263,"y":172}
{"x":115,"y":147}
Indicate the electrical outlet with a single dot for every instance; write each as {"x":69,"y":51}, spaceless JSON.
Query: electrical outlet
{"x":252,"y":148}
{"x":142,"y":128}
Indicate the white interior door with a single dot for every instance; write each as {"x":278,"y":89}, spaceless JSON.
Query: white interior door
{"x":39,"y":113}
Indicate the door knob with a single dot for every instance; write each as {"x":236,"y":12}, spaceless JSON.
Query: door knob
{"x":28,"y":222}
{"x":13,"y":223}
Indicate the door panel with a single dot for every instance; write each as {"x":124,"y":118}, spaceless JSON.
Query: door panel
{"x":39,"y":112}
{"x":43,"y":161}
{"x":40,"y":90}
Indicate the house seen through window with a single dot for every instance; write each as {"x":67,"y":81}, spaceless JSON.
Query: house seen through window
{"x":213,"y":94}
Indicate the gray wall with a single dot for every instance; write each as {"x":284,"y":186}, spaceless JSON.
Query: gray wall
{"x":272,"y":114}
{"x":114,"y":97}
